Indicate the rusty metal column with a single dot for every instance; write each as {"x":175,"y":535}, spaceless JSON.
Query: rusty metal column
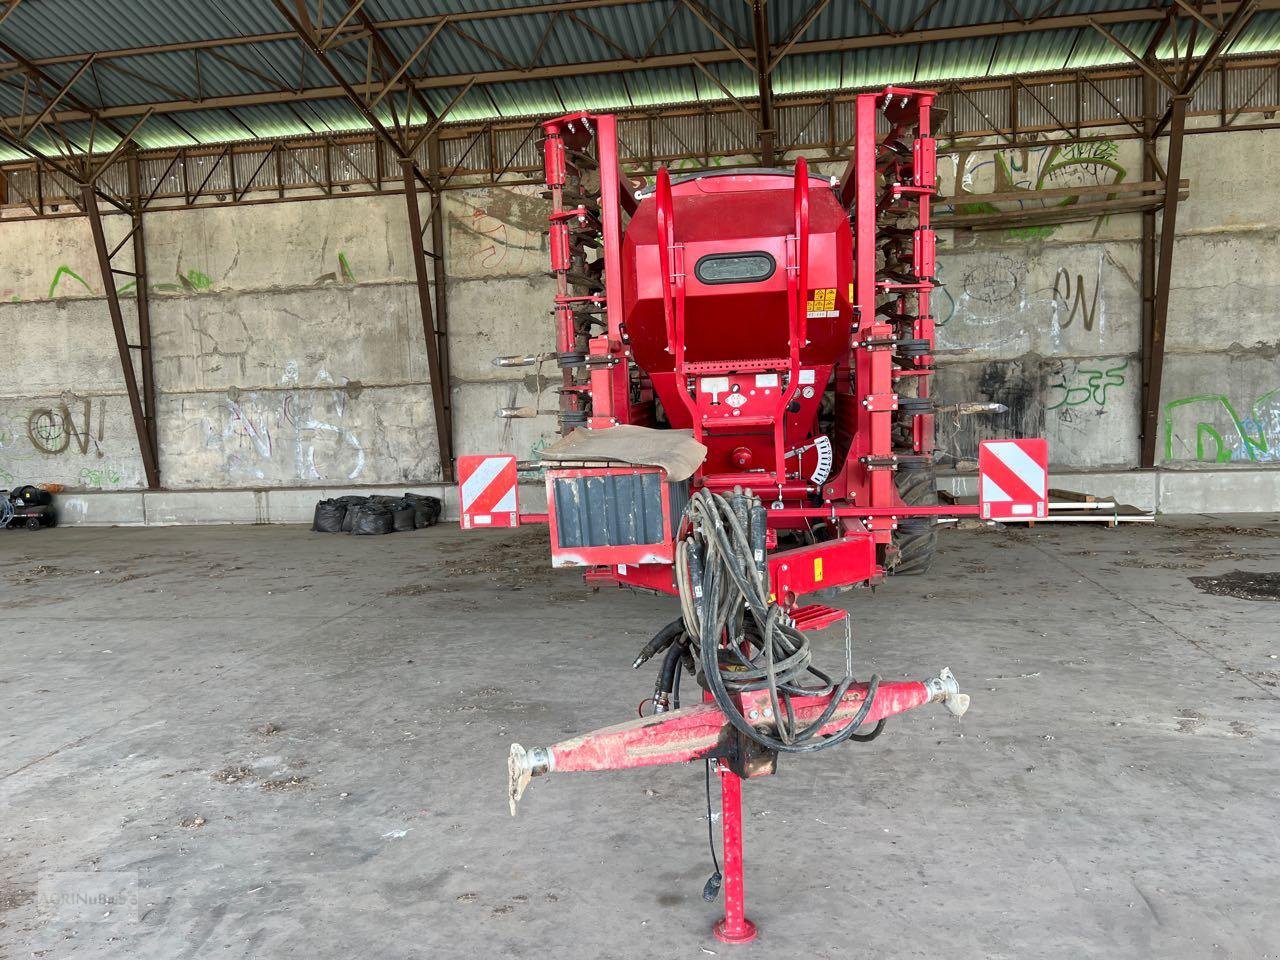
{"x":1147,"y":262}
{"x":1164,"y":268}
{"x":441,"y":276}
{"x":149,"y":465}
{"x":764,"y":78}
{"x":436,"y":371}
{"x":141,"y":292}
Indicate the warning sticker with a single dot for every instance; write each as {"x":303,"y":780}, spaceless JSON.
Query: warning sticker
{"x":824,"y":300}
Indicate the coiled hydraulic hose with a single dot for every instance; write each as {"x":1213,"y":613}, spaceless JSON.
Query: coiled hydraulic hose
{"x":741,"y":639}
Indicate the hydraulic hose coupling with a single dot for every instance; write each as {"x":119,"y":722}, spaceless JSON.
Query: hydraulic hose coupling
{"x":522,"y":766}
{"x":945,"y":689}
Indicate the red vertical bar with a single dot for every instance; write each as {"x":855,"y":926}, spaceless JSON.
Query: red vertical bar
{"x":619,"y":375}
{"x":735,"y":927}
{"x":873,"y":368}
{"x":926,"y":175}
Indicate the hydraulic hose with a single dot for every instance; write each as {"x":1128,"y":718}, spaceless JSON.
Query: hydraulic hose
{"x":742,"y":640}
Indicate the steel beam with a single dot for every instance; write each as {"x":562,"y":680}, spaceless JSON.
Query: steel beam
{"x":150,"y":462}
{"x":764,"y":80}
{"x":1147,"y":262}
{"x":1164,"y":267}
{"x":441,"y":287}
{"x":440,"y":387}
{"x":143,"y":300}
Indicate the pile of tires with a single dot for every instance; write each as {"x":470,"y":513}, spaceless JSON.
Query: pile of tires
{"x":369,"y":516}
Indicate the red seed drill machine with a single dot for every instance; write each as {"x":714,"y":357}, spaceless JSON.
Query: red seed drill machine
{"x":746,"y":358}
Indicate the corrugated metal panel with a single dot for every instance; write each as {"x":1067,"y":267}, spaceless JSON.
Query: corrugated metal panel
{"x":804,"y":73}
{"x":870,"y":68}
{"x":1111,"y":99}
{"x":1022,"y":53}
{"x":1261,"y":35}
{"x":1092,"y":49}
{"x":955,"y":60}
{"x":671,"y":85}
{"x":1255,"y":89}
{"x":527,"y":99}
{"x":43,"y":28}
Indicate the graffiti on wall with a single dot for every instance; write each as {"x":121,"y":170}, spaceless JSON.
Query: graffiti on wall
{"x":1209,"y":428}
{"x":66,"y":440}
{"x":54,"y":430}
{"x":1000,"y":289}
{"x":67,"y":282}
{"x":979,"y":169}
{"x":344,"y":275}
{"x":64,"y":272}
{"x":1083,"y":383}
{"x":304,"y":434}
{"x":498,"y":230}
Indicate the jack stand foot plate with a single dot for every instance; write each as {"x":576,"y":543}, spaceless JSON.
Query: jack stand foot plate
{"x":743,"y":933}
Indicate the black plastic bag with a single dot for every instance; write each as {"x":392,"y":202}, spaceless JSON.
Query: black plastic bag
{"x":426,"y":509}
{"x":370,"y":518}
{"x":329,"y":516}
{"x":403,"y":516}
{"x":350,"y":504}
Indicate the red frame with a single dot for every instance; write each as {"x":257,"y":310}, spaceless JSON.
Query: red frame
{"x":859,"y":498}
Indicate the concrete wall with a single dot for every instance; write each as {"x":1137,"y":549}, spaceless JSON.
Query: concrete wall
{"x":288,"y":345}
{"x":288,"y":348}
{"x":1046,"y":320}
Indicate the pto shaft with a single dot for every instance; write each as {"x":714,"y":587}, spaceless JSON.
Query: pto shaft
{"x":696,"y":733}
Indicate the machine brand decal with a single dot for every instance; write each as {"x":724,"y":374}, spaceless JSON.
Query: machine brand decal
{"x":1013,"y":479}
{"x":487,"y":491}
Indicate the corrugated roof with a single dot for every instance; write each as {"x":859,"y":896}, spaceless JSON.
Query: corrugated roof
{"x":513,"y":43}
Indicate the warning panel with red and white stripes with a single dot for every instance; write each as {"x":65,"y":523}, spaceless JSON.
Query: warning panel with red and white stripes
{"x":1013,"y":479}
{"x":488,"y":491}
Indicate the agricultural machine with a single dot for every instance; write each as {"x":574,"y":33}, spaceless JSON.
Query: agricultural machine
{"x":747,"y":420}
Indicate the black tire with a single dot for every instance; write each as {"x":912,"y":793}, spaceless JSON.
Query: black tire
{"x":916,"y":539}
{"x":33,"y":523}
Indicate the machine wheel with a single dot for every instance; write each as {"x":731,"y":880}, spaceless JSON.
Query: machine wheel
{"x":33,"y":523}
{"x":916,"y":539}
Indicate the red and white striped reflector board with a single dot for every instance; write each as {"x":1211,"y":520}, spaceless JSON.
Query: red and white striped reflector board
{"x":1013,"y":479}
{"x":488,"y":491}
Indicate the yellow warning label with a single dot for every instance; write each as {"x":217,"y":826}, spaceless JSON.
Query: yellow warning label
{"x":851,"y":292}
{"x":823,"y":299}
{"x":817,"y":570}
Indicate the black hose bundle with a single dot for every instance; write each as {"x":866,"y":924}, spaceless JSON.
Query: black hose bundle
{"x":742,"y":640}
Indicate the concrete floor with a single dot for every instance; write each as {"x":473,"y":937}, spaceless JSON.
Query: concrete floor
{"x":1113,"y":792}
